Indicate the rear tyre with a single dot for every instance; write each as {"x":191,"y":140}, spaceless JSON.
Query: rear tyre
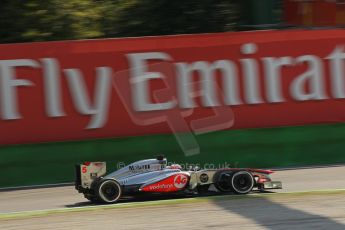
{"x":108,"y":191}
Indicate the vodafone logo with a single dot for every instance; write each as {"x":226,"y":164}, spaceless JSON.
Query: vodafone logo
{"x":160,"y":186}
{"x":180,"y":181}
{"x":172,"y":183}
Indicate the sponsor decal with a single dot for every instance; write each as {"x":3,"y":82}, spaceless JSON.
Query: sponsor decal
{"x":203,"y":178}
{"x":170,"y":184}
{"x":180,"y":181}
{"x":102,"y":88}
{"x":139,"y":167}
{"x":98,"y":164}
{"x":93,"y":175}
{"x":160,"y":187}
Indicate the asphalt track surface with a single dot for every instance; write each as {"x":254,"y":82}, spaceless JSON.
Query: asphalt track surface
{"x":324,"y":210}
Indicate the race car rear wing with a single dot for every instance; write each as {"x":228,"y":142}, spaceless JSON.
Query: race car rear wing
{"x":87,"y":172}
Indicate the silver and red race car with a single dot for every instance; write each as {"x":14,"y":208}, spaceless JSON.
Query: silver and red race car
{"x":153,"y":176}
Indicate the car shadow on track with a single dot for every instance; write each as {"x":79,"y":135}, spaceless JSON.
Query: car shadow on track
{"x":129,"y":199}
{"x":152,"y":197}
{"x":273,"y":215}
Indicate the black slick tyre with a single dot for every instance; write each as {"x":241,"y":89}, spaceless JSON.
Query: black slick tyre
{"x":242,"y":182}
{"x":108,"y":191}
{"x":239,"y":182}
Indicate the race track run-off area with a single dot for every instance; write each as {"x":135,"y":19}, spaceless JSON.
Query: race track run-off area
{"x":311,"y":199}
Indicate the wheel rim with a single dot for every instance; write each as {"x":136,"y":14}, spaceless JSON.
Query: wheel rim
{"x":109,"y":191}
{"x":242,"y":182}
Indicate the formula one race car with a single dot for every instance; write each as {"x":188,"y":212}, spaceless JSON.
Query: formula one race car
{"x":154,"y":176}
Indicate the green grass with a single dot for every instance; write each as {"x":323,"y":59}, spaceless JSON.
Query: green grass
{"x":47,"y":163}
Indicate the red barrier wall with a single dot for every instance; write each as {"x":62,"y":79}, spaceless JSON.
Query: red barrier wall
{"x":52,"y":104}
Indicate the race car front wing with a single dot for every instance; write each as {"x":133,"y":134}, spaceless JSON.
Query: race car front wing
{"x":272,"y":185}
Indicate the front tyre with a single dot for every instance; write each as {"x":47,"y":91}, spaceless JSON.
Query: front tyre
{"x":108,"y":191}
{"x":242,"y":182}
{"x":223,"y":180}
